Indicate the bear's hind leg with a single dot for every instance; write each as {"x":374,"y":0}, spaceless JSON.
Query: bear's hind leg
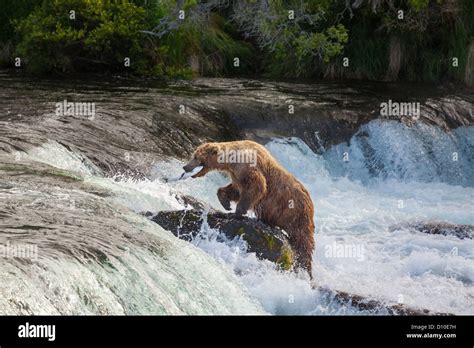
{"x":302,"y":243}
{"x":304,"y":261}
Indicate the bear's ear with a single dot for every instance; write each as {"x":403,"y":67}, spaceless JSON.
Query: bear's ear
{"x":212,"y":150}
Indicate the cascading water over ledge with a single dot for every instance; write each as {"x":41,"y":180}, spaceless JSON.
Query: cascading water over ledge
{"x":75,"y":188}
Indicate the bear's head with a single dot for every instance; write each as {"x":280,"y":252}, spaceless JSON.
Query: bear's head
{"x":205,"y":156}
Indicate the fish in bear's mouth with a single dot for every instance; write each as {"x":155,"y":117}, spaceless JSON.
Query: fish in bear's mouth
{"x":192,"y":173}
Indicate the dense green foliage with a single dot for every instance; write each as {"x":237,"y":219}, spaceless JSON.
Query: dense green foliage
{"x":279,"y":38}
{"x":96,"y":35}
{"x":427,"y":39}
{"x":294,"y":36}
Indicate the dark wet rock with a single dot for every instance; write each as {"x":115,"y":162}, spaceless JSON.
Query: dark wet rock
{"x":267,"y":242}
{"x":374,"y":306}
{"x":6,"y":186}
{"x":444,"y":228}
{"x":192,"y":202}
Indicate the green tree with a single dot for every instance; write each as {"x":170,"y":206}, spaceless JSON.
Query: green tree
{"x":296,"y":37}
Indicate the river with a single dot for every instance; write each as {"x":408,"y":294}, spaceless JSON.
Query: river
{"x":72,"y":189}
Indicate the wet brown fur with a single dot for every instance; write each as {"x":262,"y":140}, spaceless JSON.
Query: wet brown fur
{"x":268,"y":189}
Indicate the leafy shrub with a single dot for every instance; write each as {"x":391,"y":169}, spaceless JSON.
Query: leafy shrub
{"x":295,"y":36}
{"x":99,"y":36}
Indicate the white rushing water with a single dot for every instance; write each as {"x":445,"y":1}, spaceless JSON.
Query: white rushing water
{"x":389,"y":174}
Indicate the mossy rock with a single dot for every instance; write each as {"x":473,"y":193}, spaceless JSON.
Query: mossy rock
{"x":270,"y":243}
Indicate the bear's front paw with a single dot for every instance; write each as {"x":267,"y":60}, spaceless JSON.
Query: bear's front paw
{"x":225,"y":203}
{"x":239,"y":212}
{"x":221,"y":195}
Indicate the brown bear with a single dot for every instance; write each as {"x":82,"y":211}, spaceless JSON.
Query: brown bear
{"x":261,"y":184}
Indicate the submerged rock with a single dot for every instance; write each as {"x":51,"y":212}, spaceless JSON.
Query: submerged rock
{"x":270,"y":243}
{"x":373,"y":306}
{"x":439,"y":227}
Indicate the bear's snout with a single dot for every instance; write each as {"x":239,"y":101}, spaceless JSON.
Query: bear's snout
{"x":189,"y":167}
